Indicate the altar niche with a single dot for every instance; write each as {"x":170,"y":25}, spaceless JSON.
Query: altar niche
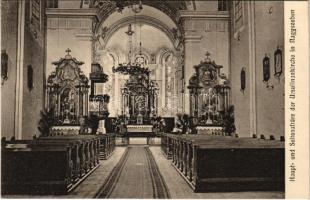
{"x":209,"y":94}
{"x":139,"y":95}
{"x":67,"y":92}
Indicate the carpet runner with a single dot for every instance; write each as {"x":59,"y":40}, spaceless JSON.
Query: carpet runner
{"x":135,"y":176}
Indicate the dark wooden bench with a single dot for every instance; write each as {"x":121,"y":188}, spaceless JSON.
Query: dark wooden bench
{"x":36,"y":170}
{"x":88,"y":149}
{"x":222,"y":163}
{"x":166,"y":145}
{"x":107,"y":145}
{"x":48,"y":165}
{"x":77,"y":154}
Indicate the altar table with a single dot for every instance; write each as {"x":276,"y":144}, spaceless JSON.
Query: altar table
{"x":139,"y":128}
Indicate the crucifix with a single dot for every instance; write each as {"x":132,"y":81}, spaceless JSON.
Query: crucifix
{"x":68,"y":51}
{"x":208,"y":54}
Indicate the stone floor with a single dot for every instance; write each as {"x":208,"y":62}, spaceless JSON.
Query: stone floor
{"x":178,"y":187}
{"x":134,"y":178}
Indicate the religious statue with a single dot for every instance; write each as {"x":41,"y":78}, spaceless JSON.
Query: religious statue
{"x":178,"y":124}
{"x":83,"y":125}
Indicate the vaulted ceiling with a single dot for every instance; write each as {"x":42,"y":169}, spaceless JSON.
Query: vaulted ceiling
{"x":170,"y":8}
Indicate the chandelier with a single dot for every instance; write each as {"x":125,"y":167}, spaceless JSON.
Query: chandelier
{"x":132,"y":67}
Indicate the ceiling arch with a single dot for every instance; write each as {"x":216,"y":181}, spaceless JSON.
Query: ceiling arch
{"x":139,"y":19}
{"x":170,"y":8}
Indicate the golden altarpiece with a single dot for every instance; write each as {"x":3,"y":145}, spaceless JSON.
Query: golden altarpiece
{"x":209,"y":96}
{"x":139,"y":94}
{"x":67,"y":95}
{"x":139,"y":98}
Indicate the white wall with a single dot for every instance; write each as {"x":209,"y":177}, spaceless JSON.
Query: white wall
{"x":32,"y":53}
{"x":269,"y":33}
{"x":72,"y":33}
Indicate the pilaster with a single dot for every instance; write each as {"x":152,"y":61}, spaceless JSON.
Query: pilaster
{"x":202,"y":31}
{"x":19,"y":70}
{"x":74,"y":29}
{"x":252,"y":68}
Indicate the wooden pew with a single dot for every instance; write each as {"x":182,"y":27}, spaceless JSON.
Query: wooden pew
{"x":88,"y":150}
{"x":49,"y":165}
{"x":223,"y":163}
{"x":77,"y":158}
{"x":26,"y":169}
{"x":107,"y":142}
{"x":166,"y":145}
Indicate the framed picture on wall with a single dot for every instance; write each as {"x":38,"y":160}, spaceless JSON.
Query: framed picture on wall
{"x":30,"y":77}
{"x":242,"y":80}
{"x":266,"y":68}
{"x":278,"y":63}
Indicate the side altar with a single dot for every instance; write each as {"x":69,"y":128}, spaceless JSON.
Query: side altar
{"x":209,"y":97}
{"x":67,"y":96}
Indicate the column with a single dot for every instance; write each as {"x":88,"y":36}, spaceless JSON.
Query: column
{"x":19,"y":70}
{"x":252,"y":85}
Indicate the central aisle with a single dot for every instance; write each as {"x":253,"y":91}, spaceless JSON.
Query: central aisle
{"x":135,"y":176}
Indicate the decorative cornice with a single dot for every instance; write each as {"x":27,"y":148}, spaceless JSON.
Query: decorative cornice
{"x":193,"y":38}
{"x":203,"y":14}
{"x":84,"y":36}
{"x":74,"y":13}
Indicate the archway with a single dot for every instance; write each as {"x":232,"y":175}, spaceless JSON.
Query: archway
{"x":158,"y":52}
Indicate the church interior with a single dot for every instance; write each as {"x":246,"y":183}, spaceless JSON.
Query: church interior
{"x":142,"y":99}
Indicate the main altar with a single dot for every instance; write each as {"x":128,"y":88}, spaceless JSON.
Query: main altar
{"x":139,"y":98}
{"x":139,"y":94}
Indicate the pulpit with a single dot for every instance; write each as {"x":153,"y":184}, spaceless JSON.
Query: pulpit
{"x":209,"y":96}
{"x":98,"y":102}
{"x":67,"y":94}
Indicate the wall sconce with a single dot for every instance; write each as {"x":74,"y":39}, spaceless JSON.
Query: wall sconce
{"x":278,"y":63}
{"x":4,"y":66}
{"x":30,"y":77}
{"x":270,"y":10}
{"x":242,"y":80}
{"x":238,"y":36}
{"x":266,"y":71}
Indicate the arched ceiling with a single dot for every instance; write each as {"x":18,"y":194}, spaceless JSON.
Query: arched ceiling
{"x":146,"y":20}
{"x":142,"y":33}
{"x":170,"y":8}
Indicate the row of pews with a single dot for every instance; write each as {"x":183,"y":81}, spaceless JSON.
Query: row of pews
{"x":51,"y":165}
{"x":107,"y":145}
{"x":213,"y":163}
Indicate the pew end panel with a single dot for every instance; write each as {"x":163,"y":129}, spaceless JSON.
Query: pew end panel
{"x":226,"y":170}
